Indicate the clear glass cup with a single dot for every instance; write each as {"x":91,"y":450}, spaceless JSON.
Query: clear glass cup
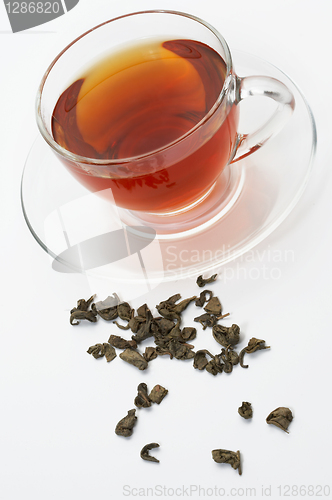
{"x":182,"y":175}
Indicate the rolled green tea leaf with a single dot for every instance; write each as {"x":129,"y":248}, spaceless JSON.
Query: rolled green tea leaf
{"x":228,"y":457}
{"x":188,"y":333}
{"x":145,"y":452}
{"x":213,"y":306}
{"x":108,"y":314}
{"x":120,"y":343}
{"x":125,"y":426}
{"x":206,"y":320}
{"x":281,"y":417}
{"x":157,"y":394}
{"x":253,"y":346}
{"x":200,"y":360}
{"x":82,"y":312}
{"x":202,"y":282}
{"x":226,"y":335}
{"x":150,"y":353}
{"x":97,"y":351}
{"x":245,"y":410}
{"x":215,"y":366}
{"x":125,"y":311}
{"x":134,"y":358}
{"x":202,"y":298}
{"x":142,"y":399}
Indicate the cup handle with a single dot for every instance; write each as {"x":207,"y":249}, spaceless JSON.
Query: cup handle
{"x":268,"y":87}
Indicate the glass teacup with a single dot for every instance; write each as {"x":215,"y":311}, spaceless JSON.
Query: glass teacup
{"x":143,"y":109}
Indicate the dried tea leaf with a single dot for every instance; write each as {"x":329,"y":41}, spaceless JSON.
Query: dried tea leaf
{"x":83,"y":305}
{"x":170,"y":310}
{"x":150,"y":353}
{"x":79,"y":315}
{"x":180,"y":350}
{"x":202,"y":282}
{"x":145,"y":452}
{"x":97,"y":351}
{"x":100,"y":350}
{"x":171,"y":300}
{"x":144,"y":330}
{"x":108,"y":314}
{"x":143,"y":311}
{"x":81,"y":312}
{"x":253,"y":346}
{"x":125,"y":311}
{"x":245,"y":410}
{"x":121,"y":343}
{"x":162,"y":326}
{"x":122,"y":327}
{"x":134,"y":358}
{"x":202,"y":298}
{"x":181,"y":306}
{"x":142,"y":399}
{"x":213,"y":306}
{"x":126,"y":424}
{"x":110,"y":353}
{"x":188,"y":333}
{"x":206,"y":320}
{"x":214,"y":366}
{"x":281,"y":417}
{"x":230,"y":358}
{"x":168,"y":314}
{"x":226,"y":335}
{"x":200,"y":361}
{"x":228,"y":457}
{"x":175,"y":333}
{"x":227,"y":367}
{"x":162,"y":351}
{"x":157,"y":394}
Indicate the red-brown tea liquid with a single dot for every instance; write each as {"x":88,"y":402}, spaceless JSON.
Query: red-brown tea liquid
{"x":140,"y":100}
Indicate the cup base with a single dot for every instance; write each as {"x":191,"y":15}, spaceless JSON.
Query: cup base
{"x":198,"y":216}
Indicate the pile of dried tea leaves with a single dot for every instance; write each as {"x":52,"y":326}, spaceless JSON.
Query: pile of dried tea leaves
{"x":170,"y":337}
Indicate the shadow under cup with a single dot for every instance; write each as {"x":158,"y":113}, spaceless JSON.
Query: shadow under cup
{"x":192,"y":133}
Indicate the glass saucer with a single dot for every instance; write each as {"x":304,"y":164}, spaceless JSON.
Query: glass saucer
{"x":83,"y":233}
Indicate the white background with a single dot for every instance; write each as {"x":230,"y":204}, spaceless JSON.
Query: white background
{"x":59,"y":406}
